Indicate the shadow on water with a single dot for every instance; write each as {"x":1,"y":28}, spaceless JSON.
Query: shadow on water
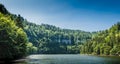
{"x":20,"y":61}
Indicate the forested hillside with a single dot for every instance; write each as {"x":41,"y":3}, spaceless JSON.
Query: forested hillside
{"x":106,"y":42}
{"x":49,"y":39}
{"x":19,"y":37}
{"x":13,"y":39}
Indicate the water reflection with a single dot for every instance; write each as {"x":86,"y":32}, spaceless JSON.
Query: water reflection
{"x":72,"y":59}
{"x":69,"y":59}
{"x":14,"y":62}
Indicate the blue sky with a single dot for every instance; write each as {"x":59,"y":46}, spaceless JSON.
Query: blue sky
{"x":87,"y":15}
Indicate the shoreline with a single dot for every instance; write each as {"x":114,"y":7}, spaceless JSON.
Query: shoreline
{"x":76,"y":54}
{"x":102,"y":55}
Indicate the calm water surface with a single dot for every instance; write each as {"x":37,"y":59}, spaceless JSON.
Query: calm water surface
{"x":71,"y":59}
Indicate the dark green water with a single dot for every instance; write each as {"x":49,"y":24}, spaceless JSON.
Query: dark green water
{"x":71,"y":59}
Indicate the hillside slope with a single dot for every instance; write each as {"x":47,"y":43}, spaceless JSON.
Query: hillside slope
{"x":106,"y":42}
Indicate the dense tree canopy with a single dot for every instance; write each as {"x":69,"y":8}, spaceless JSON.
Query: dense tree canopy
{"x":44,"y":38}
{"x":104,"y":43}
{"x":18,"y":37}
{"x":12,"y":39}
{"x":49,"y":39}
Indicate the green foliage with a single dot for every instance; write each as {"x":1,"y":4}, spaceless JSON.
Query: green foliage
{"x":19,"y":21}
{"x":3,"y":9}
{"x":73,"y":49}
{"x":104,"y":42}
{"x":31,"y":49}
{"x":107,"y":50}
{"x":115,"y":50}
{"x":49,"y":39}
{"x":12,"y":39}
{"x":97,"y":49}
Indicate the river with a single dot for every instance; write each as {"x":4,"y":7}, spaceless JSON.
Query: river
{"x":71,"y":59}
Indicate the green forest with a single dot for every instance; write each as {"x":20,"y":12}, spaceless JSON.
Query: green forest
{"x":105,"y":42}
{"x":19,"y":38}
